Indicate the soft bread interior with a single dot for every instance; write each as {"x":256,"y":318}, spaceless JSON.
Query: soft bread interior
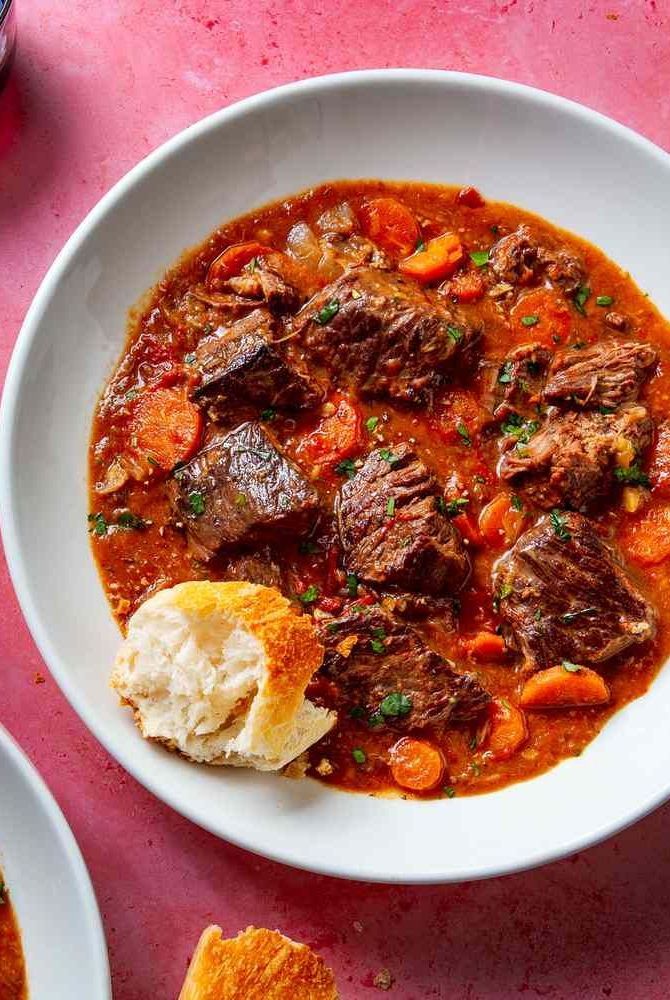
{"x":218,"y":671}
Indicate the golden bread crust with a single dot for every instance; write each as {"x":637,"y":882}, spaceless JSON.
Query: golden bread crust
{"x":258,"y":964}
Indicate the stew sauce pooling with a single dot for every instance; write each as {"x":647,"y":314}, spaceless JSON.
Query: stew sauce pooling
{"x":439,"y":425}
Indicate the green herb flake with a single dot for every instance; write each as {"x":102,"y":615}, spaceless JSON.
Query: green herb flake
{"x":98,"y":524}
{"x":240,"y":499}
{"x":505,"y":375}
{"x":581,"y":297}
{"x":604,"y":300}
{"x":347,"y":467}
{"x":572,"y":668}
{"x":310,"y":595}
{"x":606,"y":410}
{"x":632,"y":476}
{"x":376,"y":720}
{"x":189,"y":358}
{"x":519,"y":428}
{"x":359,"y":755}
{"x":505,"y":591}
{"x":530,"y":320}
{"x":196,"y":502}
{"x":371,"y":424}
{"x":464,"y":434}
{"x":390,"y":507}
{"x":452,"y":508}
{"x":420,"y":246}
{"x":357,"y":713}
{"x":330,"y":310}
{"x":131,"y":394}
{"x":558,"y":524}
{"x":387,"y":455}
{"x":352,"y":585}
{"x":480,"y":258}
{"x":268,"y":415}
{"x":377,"y":646}
{"x":449,"y":791}
{"x":395,"y":705}
{"x":130,"y":521}
{"x":516,"y":502}
{"x":455,"y":333}
{"x":538,"y":615}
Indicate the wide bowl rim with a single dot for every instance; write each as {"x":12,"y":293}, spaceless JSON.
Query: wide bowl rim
{"x":15,"y":372}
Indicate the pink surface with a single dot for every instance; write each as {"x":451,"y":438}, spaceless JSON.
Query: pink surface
{"x":98,"y":85}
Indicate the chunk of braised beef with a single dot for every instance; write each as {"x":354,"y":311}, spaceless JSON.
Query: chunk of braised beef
{"x":562,"y":270}
{"x":414,"y":607}
{"x":385,"y":334}
{"x":520,"y":378}
{"x":571,"y":460}
{"x":273,"y":279}
{"x":240,"y":490}
{"x":372,"y":656}
{"x":564,"y":594}
{"x":605,"y":374}
{"x":258,"y":566}
{"x":392,"y":529}
{"x":520,"y":259}
{"x":244,"y":365}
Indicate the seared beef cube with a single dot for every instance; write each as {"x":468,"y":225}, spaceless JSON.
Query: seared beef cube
{"x":514,"y":259}
{"x":270,"y":279}
{"x":240,"y":490}
{"x":606,"y":374}
{"x":571,"y":462}
{"x":254,"y":567}
{"x":520,"y":378}
{"x":245,"y":366}
{"x":563,"y":270}
{"x":564,"y":594}
{"x":385,"y":334}
{"x":372,"y":656}
{"x":418,"y":607}
{"x":392,"y":529}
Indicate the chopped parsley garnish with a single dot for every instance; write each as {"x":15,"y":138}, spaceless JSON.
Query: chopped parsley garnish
{"x":189,"y":358}
{"x":572,"y":668}
{"x":505,"y":591}
{"x":581,"y":296}
{"x":196,"y":503}
{"x":516,"y":502}
{"x":359,"y":755}
{"x":455,"y":333}
{"x":452,"y":508}
{"x":604,"y":300}
{"x":387,"y":455}
{"x":352,"y":585}
{"x":505,"y":374}
{"x":310,"y":595}
{"x":494,"y":229}
{"x":371,"y":423}
{"x":633,"y":476}
{"x":326,"y":314}
{"x":376,"y":720}
{"x":479,"y":258}
{"x":605,"y":410}
{"x":420,"y":246}
{"x":395,"y":704}
{"x":530,"y":320}
{"x":377,"y":640}
{"x":519,"y":428}
{"x":449,"y":791}
{"x":390,"y":507}
{"x":346,"y":467}
{"x":130,"y":521}
{"x":98,"y":524}
{"x":464,"y":434}
{"x":558,"y":524}
{"x":268,"y":415}
{"x":240,"y":499}
{"x":538,"y":615}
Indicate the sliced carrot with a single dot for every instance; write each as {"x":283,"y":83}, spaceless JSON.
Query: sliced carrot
{"x":337,"y":437}
{"x":500,"y":522}
{"x":487,"y":646}
{"x":468,"y":528}
{"x":507,"y":729}
{"x":233,"y":259}
{"x":166,"y":427}
{"x":391,"y":225}
{"x":647,"y":540}
{"x":466,"y":287}
{"x":438,"y":259}
{"x":416,"y":764}
{"x":542,"y":315}
{"x":470,"y":197}
{"x":558,"y":687}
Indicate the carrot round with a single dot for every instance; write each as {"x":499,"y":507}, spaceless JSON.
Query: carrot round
{"x":166,"y":427}
{"x":438,"y":259}
{"x":391,"y":225}
{"x":233,"y":259}
{"x":499,"y":521}
{"x":647,"y":541}
{"x":507,"y":729}
{"x":467,"y":287}
{"x":487,"y":646}
{"x":543,"y":316}
{"x":416,"y":765}
{"x":564,"y":687}
{"x":338,"y":436}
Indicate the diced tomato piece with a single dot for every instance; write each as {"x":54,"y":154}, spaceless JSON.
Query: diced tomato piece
{"x":233,"y":259}
{"x":438,"y":259}
{"x":166,"y":426}
{"x":647,"y":540}
{"x":391,"y":225}
{"x":338,"y":436}
{"x":466,"y":287}
{"x":542,"y":315}
{"x":507,"y":729}
{"x":470,"y":197}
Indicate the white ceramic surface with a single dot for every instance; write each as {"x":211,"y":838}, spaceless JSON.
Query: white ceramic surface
{"x":63,"y":941}
{"x":548,"y":155}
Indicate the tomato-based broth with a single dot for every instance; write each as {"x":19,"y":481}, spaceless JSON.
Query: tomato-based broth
{"x":13,"y":985}
{"x":474,"y":420}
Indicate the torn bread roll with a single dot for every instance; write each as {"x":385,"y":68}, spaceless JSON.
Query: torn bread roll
{"x":256,"y":965}
{"x":218,"y":671}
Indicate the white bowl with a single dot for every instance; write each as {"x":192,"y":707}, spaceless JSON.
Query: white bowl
{"x":63,"y":942}
{"x":548,"y":155}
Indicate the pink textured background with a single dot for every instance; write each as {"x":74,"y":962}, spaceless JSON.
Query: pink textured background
{"x":96,"y":86}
